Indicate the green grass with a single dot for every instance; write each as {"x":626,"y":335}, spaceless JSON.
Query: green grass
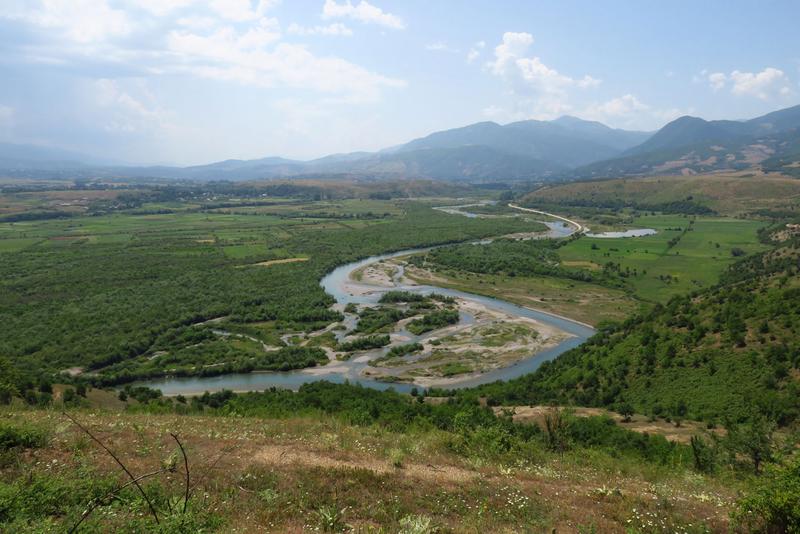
{"x":694,"y":263}
{"x":13,"y":245}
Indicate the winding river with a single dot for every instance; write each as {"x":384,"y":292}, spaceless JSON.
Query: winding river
{"x":339,"y":284}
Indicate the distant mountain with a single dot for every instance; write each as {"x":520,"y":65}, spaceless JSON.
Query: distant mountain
{"x":691,"y":145}
{"x":561,"y":149}
{"x":566,"y":142}
{"x":485,"y":151}
{"x":471,"y":163}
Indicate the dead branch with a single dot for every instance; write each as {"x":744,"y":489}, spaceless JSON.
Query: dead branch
{"x":186,"y":465}
{"x":96,"y":502}
{"x":119,"y":462}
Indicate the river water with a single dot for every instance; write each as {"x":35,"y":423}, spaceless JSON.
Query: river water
{"x":639,"y":232}
{"x":339,"y":284}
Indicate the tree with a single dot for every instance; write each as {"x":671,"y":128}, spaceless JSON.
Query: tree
{"x":69,"y":396}
{"x":556,"y":432}
{"x":7,"y":392}
{"x":704,"y":454}
{"x":754,"y":440}
{"x":9,"y":380}
{"x":45,"y":386}
{"x":626,"y":411}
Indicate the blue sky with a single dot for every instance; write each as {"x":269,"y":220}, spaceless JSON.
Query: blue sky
{"x":191,"y":81}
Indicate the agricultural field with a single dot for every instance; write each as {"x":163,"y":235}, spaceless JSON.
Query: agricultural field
{"x":687,"y":253}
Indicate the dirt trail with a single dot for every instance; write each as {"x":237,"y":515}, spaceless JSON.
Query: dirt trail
{"x":290,"y":455}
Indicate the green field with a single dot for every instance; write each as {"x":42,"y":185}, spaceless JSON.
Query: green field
{"x":695,"y":262}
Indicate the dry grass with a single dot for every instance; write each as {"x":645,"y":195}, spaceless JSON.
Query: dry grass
{"x":727,"y":193}
{"x":274,"y":475}
{"x":637,"y":423}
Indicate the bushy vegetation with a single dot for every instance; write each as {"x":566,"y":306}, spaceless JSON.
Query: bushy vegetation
{"x":107,"y":293}
{"x":478,"y":426}
{"x":432,"y":321}
{"x":513,"y":258}
{"x":403,"y":350}
{"x":720,"y":354}
{"x":397,"y":297}
{"x":364,"y":343}
{"x":774,"y":505}
{"x":378,"y":319}
{"x":21,"y":435}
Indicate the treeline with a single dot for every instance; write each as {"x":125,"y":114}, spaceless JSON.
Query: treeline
{"x":210,"y":359}
{"x":433,"y":321}
{"x":35,"y":216}
{"x":679,"y":207}
{"x":512,"y":258}
{"x":364,"y":343}
{"x":478,"y":431}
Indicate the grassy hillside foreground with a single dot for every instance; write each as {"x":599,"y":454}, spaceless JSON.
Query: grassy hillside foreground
{"x":320,"y":474}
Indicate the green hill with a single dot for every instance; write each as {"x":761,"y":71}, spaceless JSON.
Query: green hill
{"x":719,"y":354}
{"x":690,"y":145}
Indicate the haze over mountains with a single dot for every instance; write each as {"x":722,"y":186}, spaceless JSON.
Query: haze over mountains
{"x":564,"y":148}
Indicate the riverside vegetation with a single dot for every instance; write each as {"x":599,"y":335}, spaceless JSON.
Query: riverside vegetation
{"x":129,"y":293}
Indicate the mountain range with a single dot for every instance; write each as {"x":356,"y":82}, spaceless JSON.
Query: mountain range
{"x":561,"y":149}
{"x":690,"y":145}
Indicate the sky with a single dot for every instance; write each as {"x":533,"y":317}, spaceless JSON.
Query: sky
{"x":190,"y":81}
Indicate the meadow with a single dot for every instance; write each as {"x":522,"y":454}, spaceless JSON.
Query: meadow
{"x":663,"y":267}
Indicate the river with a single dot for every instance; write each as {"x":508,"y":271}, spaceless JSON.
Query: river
{"x":339,"y":284}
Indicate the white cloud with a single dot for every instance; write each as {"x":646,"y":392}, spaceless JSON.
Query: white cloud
{"x":233,"y":10}
{"x":197,"y":23}
{"x":126,"y":113}
{"x":509,"y":62}
{"x":475,"y":51}
{"x":765,"y":85}
{"x":227,"y":40}
{"x":239,"y":10}
{"x":717,"y":80}
{"x":81,"y":21}
{"x":625,"y":105}
{"x":513,"y":47}
{"x":440,"y":46}
{"x":539,"y":90}
{"x":231,"y":56}
{"x":628,"y":111}
{"x":336,"y":29}
{"x":362,"y":12}
{"x":161,"y":8}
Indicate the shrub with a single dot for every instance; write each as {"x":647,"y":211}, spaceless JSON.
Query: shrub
{"x":774,"y":506}
{"x":704,"y":455}
{"x":23,"y":436}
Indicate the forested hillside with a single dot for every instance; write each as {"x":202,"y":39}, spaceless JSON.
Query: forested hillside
{"x":724,"y":353}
